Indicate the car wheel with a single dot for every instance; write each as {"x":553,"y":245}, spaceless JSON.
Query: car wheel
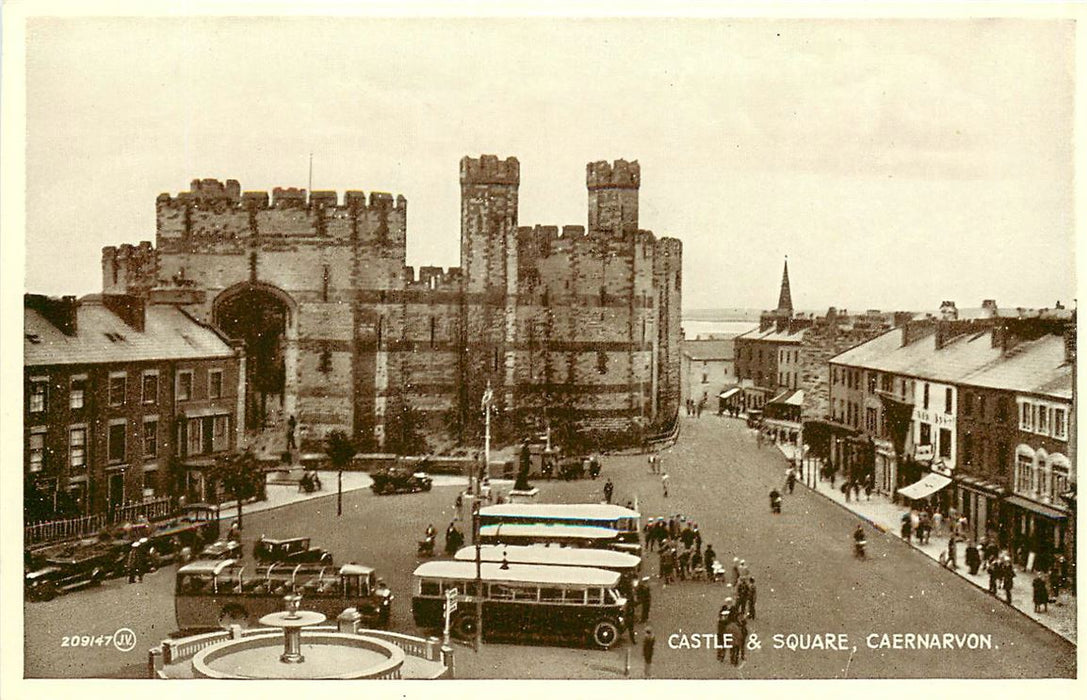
{"x":233,"y":615}
{"x":466,"y":626}
{"x":427,"y":485}
{"x":605,"y":634}
{"x":96,"y":576}
{"x":45,"y":592}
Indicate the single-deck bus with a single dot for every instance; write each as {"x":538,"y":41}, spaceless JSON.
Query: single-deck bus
{"x":523,"y":600}
{"x":628,"y":566}
{"x":623,"y":520}
{"x":219,"y":593}
{"x":563,"y":535}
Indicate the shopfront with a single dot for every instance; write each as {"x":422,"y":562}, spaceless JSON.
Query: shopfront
{"x":1038,"y":531}
{"x":979,"y":500}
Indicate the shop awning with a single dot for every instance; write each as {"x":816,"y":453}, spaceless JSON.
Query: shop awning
{"x":207,"y":412}
{"x":930,"y":484}
{"x":978,"y":484}
{"x":1039,"y":508}
{"x":729,"y":393}
{"x":789,"y":397}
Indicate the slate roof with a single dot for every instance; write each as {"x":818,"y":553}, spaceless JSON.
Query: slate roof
{"x":773,"y":336}
{"x":102,"y":337}
{"x":708,"y":349}
{"x":1035,"y":366}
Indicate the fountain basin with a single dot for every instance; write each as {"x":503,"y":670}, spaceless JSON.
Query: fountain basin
{"x":329,"y":655}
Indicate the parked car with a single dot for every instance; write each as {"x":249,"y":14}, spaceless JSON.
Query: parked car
{"x":295,"y":550}
{"x":75,"y":566}
{"x":222,"y":549}
{"x":400,"y":481}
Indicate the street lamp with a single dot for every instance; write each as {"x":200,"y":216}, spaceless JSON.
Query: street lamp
{"x":479,"y":575}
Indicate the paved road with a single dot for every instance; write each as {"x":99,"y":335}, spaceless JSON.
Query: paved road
{"x":808,"y":582}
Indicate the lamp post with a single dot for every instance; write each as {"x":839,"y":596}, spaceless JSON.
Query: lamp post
{"x":479,"y":575}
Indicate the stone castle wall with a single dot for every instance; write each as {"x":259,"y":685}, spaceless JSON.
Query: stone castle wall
{"x":579,"y":326}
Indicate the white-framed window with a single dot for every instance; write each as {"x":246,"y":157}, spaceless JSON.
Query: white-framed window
{"x":1024,"y":471}
{"x":150,"y":437}
{"x":1041,"y":475}
{"x":118,"y":386}
{"x":77,"y":447}
{"x":215,"y":383}
{"x":1060,"y":472}
{"x":117,"y":441}
{"x":36,"y":399}
{"x":1042,"y":424}
{"x":925,"y":399}
{"x":35,"y":450}
{"x":947,"y":400}
{"x":150,"y":386}
{"x":150,"y":479}
{"x":77,"y":391}
{"x":184,"y":385}
{"x":1026,"y":417}
{"x":196,"y":435}
{"x":220,"y":433}
{"x":1060,"y":424}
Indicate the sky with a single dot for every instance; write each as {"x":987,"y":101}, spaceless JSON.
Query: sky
{"x":897,"y":163}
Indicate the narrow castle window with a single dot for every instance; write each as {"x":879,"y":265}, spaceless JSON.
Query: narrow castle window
{"x":433,"y":331}
{"x":601,"y":362}
{"x":325,"y":283}
{"x":324,"y":364}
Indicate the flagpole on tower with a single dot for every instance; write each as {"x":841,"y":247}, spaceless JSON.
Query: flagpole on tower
{"x":310,"y":185}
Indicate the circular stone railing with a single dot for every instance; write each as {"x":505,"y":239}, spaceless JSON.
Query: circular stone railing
{"x":389,"y":669}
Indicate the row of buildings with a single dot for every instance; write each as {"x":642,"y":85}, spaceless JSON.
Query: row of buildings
{"x":253,"y":312}
{"x":972,"y":410}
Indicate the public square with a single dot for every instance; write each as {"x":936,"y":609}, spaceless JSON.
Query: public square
{"x":808,"y":581}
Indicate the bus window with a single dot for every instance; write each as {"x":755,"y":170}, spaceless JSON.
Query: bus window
{"x":469,"y":589}
{"x":525,"y":593}
{"x":431,"y":588}
{"x":367,"y":585}
{"x":550,"y":595}
{"x":575,"y":596}
{"x":595,"y":596}
{"x":611,"y":597}
{"x":351,"y":586}
{"x":501,"y":592}
{"x":195,"y":585}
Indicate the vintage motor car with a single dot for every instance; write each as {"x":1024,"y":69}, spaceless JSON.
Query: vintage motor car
{"x":295,"y":550}
{"x":222,"y":549}
{"x":395,"y":480}
{"x":71,"y":567}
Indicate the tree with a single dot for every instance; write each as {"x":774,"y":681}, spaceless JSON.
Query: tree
{"x":340,"y":449}
{"x":240,"y":476}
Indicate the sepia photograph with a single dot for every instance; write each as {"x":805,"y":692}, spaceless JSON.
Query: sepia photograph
{"x":719,"y":344}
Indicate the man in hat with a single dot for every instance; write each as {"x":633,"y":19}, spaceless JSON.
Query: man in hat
{"x":645,"y":597}
{"x":648,"y":643}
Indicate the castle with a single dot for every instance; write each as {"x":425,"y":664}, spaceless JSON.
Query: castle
{"x":576,"y":330}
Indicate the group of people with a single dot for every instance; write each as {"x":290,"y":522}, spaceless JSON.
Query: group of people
{"x":679,"y":545}
{"x":853,"y":487}
{"x":736,"y":610}
{"x":921,"y":524}
{"x":695,"y":408}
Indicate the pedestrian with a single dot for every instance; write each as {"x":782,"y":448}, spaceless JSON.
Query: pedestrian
{"x":994,"y":575}
{"x":696,"y":564}
{"x":645,"y":597}
{"x":868,"y":486}
{"x":664,"y":484}
{"x":735,"y":571}
{"x":1009,"y":580}
{"x":938,"y":522}
{"x":741,"y":595}
{"x":1041,"y":595}
{"x":609,"y":489}
{"x":846,"y":489}
{"x":684,"y":562}
{"x":648,"y":642}
{"x":973,"y":558}
{"x":631,"y":616}
{"x":1055,"y":581}
{"x":292,"y":423}
{"x":856,"y":490}
{"x":907,"y":527}
{"x":708,"y":560}
{"x":952,"y":552}
{"x":137,"y":561}
{"x":235,"y":534}
{"x":790,"y":480}
{"x":651,"y":468}
{"x":752,"y":595}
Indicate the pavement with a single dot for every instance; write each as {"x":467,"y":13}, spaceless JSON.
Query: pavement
{"x":880,"y":512}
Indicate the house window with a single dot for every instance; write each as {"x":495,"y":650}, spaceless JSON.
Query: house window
{"x":77,"y":392}
{"x":1042,"y":426}
{"x":196,"y":436}
{"x":1060,"y":426}
{"x":184,"y":385}
{"x":1059,"y":478}
{"x":1024,"y":473}
{"x":219,"y":433}
{"x":77,"y":448}
{"x":870,"y":420}
{"x":150,"y":387}
{"x":947,"y":400}
{"x":118,"y":383}
{"x":945,"y":443}
{"x":705,"y":378}
{"x":116,"y":448}
{"x":926,"y":434}
{"x":925,"y":399}
{"x":1026,"y":419}
{"x":1041,"y":476}
{"x":872,"y":380}
{"x":36,"y":401}
{"x":967,"y":448}
{"x":215,"y":384}
{"x":150,"y":438}
{"x":35,"y":450}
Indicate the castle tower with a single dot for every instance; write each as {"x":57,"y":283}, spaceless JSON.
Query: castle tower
{"x":785,"y":297}
{"x":613,"y":195}
{"x":488,"y":258}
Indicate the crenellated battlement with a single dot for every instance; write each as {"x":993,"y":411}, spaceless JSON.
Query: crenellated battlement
{"x":209,"y":192}
{"x":433,"y":278}
{"x":489,"y":170}
{"x":618,"y":175}
{"x":129,"y":268}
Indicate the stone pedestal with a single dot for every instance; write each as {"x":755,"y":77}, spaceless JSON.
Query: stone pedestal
{"x":529,"y":496}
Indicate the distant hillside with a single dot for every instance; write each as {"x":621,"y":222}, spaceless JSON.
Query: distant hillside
{"x":721,"y":315}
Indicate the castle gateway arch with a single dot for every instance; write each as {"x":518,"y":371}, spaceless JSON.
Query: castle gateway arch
{"x":264,"y":318}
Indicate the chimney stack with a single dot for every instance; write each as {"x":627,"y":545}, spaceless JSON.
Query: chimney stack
{"x":62,"y":313}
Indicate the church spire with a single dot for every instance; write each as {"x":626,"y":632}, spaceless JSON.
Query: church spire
{"x":785,"y":298}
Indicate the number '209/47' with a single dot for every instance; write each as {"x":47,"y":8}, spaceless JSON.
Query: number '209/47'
{"x":86,"y":640}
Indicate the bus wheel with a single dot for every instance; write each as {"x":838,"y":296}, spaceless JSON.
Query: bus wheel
{"x":233,"y":615}
{"x":605,"y":634}
{"x":466,"y":626}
